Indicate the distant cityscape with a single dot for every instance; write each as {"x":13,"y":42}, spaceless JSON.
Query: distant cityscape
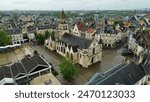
{"x":75,"y":47}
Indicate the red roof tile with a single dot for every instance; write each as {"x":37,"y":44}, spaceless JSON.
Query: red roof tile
{"x":81,"y":26}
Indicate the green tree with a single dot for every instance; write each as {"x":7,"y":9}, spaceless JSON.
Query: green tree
{"x":40,"y":38}
{"x":47,"y":34}
{"x":68,"y":70}
{"x":5,"y":39}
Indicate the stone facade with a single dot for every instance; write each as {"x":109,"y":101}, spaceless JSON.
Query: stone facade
{"x":63,"y":26}
{"x":91,"y":55}
{"x":50,"y":44}
{"x":72,"y":46}
{"x":17,"y":38}
{"x":110,"y":40}
{"x":76,"y":31}
{"x":31,"y":36}
{"x":139,"y":42}
{"x":144,"y":81}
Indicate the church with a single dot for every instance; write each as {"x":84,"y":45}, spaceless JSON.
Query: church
{"x":76,"y":48}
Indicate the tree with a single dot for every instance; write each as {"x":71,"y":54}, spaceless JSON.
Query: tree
{"x":40,"y":38}
{"x":5,"y":39}
{"x":68,"y":70}
{"x":47,"y":34}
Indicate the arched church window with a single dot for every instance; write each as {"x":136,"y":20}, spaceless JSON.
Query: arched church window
{"x":71,"y":56}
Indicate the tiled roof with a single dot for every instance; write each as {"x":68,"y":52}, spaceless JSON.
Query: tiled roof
{"x":90,"y":31}
{"x":81,"y":26}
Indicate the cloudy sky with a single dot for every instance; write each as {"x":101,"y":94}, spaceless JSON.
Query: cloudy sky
{"x":73,"y":4}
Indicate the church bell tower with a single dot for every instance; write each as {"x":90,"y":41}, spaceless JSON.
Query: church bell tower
{"x":63,"y":24}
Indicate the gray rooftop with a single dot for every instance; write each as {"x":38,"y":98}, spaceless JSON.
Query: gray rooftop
{"x":127,"y":74}
{"x":76,"y":41}
{"x":26,"y":65}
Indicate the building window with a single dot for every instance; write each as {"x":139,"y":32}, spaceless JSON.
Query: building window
{"x":92,"y":60}
{"x":57,"y":48}
{"x":64,"y":50}
{"x":71,"y":57}
{"x":80,"y":56}
{"x":93,"y":50}
{"x":67,"y":54}
{"x":61,"y":49}
{"x":148,"y":78}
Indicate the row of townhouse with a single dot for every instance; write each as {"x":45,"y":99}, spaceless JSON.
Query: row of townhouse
{"x":139,"y":42}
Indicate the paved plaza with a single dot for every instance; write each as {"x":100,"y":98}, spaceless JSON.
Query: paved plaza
{"x":110,"y":59}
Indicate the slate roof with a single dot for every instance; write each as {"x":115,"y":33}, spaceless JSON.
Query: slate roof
{"x":17,"y":68}
{"x":43,"y":27}
{"x":5,"y":72}
{"x":146,"y":63}
{"x":110,"y":29}
{"x":100,"y":30}
{"x":133,"y":18}
{"x":76,"y":41}
{"x":14,"y":31}
{"x":23,"y":67}
{"x":31,"y":62}
{"x":127,"y":74}
{"x":31,"y":29}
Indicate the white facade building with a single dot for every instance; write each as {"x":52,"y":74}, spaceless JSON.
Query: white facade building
{"x":139,"y":42}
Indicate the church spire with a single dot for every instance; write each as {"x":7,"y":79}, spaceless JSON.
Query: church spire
{"x":63,"y":24}
{"x":63,"y":15}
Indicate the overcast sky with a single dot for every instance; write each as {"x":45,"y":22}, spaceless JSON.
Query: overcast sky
{"x":73,"y":4}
